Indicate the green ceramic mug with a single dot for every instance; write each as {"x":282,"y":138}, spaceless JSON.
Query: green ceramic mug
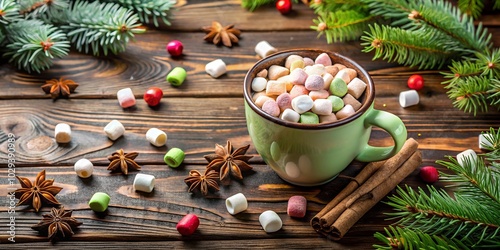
{"x":313,"y":154}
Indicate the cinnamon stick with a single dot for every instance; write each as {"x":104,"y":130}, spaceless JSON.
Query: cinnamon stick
{"x":357,"y":209}
{"x":363,"y":175}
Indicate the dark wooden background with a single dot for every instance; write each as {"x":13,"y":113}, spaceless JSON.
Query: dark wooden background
{"x":200,"y":113}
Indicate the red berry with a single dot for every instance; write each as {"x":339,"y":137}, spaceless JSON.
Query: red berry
{"x":416,"y":82}
{"x":429,"y":174}
{"x":175,"y":48}
{"x":153,"y":96}
{"x":284,"y":6}
{"x":188,"y":224}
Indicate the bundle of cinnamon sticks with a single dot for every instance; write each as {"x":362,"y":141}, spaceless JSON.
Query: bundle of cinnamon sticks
{"x":365,"y":190}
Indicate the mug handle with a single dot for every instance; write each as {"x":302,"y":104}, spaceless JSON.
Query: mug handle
{"x":393,"y":126}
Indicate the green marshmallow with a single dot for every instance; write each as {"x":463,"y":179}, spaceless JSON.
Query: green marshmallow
{"x":338,"y":87}
{"x":309,"y":118}
{"x":337,"y":103}
{"x":99,"y":202}
{"x":174,"y":157}
{"x":177,"y":76}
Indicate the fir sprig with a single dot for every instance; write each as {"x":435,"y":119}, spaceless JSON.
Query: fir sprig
{"x":342,"y":25}
{"x":34,"y":8}
{"x":9,"y":12}
{"x":472,"y":8}
{"x":492,"y":145}
{"x":32,"y":45}
{"x":146,"y":9}
{"x":251,"y":5}
{"x":470,"y":94}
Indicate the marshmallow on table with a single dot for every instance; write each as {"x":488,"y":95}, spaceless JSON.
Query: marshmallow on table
{"x":297,"y":206}
{"x":125,"y":97}
{"x":483,"y":140}
{"x":467,"y":156}
{"x":270,"y":221}
{"x":408,"y":98}
{"x":216,"y":68}
{"x":62,"y":133}
{"x":290,"y":115}
{"x":99,"y":202}
{"x":236,"y":203}
{"x":84,"y":168}
{"x":259,"y":84}
{"x":114,"y":129}
{"x":144,"y":182}
{"x":156,"y":137}
{"x":264,"y":49}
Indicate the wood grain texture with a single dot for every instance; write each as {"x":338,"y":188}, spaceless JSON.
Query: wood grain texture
{"x":200,"y":113}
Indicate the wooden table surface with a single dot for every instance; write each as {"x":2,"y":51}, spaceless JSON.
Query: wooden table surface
{"x":202,"y":112}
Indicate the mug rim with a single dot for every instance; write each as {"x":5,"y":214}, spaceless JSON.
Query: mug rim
{"x":282,"y":55}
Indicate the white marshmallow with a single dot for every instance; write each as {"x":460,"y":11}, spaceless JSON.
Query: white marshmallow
{"x":236,"y":203}
{"x":125,"y":97}
{"x":302,"y":103}
{"x":408,"y":98}
{"x":322,"y":107}
{"x":327,"y":79}
{"x":84,"y":168}
{"x":144,"y":183}
{"x":467,"y":155}
{"x":156,"y":137}
{"x":259,"y":84}
{"x":344,"y":75}
{"x":345,"y":112}
{"x":356,"y":87}
{"x":483,"y":140}
{"x":216,"y":68}
{"x":62,"y":133}
{"x":328,"y":118}
{"x":270,"y":221}
{"x":316,"y":69}
{"x":292,"y":170}
{"x":264,"y":49}
{"x":290,"y":115}
{"x":114,"y":129}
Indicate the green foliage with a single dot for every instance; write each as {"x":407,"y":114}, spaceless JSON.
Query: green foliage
{"x":31,"y":45}
{"x":251,"y":5}
{"x":472,"y":8}
{"x":10,"y":12}
{"x":34,"y":8}
{"x":146,"y":9}
{"x":342,"y":25}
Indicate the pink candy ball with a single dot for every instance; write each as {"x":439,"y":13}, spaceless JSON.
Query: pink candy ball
{"x":271,"y":107}
{"x":175,"y":48}
{"x":284,"y":101}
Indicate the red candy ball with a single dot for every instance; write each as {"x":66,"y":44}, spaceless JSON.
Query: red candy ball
{"x":284,"y":6}
{"x":153,"y":96}
{"x":175,"y":48}
{"x":429,"y":174}
{"x":188,"y":224}
{"x":416,"y":82}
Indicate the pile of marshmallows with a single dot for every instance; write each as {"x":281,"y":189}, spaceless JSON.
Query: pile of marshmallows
{"x":308,"y":91}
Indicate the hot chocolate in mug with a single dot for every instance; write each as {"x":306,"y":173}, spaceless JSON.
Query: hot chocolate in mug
{"x":313,"y":154}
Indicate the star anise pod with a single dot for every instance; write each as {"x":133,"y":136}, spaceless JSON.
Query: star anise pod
{"x":59,"y":87}
{"x":204,"y":182}
{"x":217,"y":34}
{"x":57,"y":224}
{"x":37,"y":193}
{"x":121,"y":161}
{"x":227,"y":161}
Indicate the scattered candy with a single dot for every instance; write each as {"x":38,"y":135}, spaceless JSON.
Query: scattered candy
{"x":175,"y":48}
{"x":114,"y":130}
{"x":125,"y":97}
{"x":290,"y":115}
{"x":270,"y":221}
{"x":264,"y":49}
{"x":62,"y":133}
{"x":309,"y":118}
{"x":259,"y":84}
{"x":144,"y":183}
{"x":345,"y":112}
{"x":416,"y":82}
{"x":429,"y":174}
{"x":236,"y":203}
{"x":188,"y":224}
{"x":484,"y":140}
{"x":297,"y":206}
{"x":84,"y":168}
{"x":408,"y":98}
{"x":284,"y":6}
{"x":216,"y":68}
{"x":177,"y":76}
{"x":156,"y":137}
{"x":467,"y":156}
{"x":99,"y":202}
{"x":153,"y":96}
{"x":174,"y":157}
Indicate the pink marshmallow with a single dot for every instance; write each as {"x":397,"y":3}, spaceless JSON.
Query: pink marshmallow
{"x":298,"y":76}
{"x":271,"y":107}
{"x":319,"y":94}
{"x":284,"y":101}
{"x":308,"y":61}
{"x":324,"y":59}
{"x":297,"y":206}
{"x":125,"y":97}
{"x":298,"y":90}
{"x":314,"y":82}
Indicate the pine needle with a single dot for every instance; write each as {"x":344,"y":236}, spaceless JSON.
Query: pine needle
{"x":146,"y":9}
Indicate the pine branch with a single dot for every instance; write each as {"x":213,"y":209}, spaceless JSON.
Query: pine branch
{"x":422,"y":48}
{"x":460,"y":71}
{"x":342,"y":25}
{"x":146,"y":9}
{"x":97,"y":27}
{"x":406,"y":238}
{"x":470,"y":94}
{"x":34,"y":8}
{"x":251,"y":5}
{"x":395,"y":10}
{"x":492,"y":145}
{"x":9,"y":12}
{"x":496,"y":6}
{"x":472,"y":8}
{"x":494,"y":93}
{"x":32,"y":45}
